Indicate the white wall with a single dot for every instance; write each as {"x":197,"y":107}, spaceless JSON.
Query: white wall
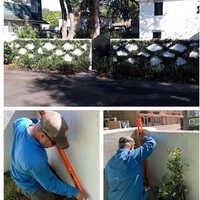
{"x":179,"y":19}
{"x":83,"y":152}
{"x":188,"y":141}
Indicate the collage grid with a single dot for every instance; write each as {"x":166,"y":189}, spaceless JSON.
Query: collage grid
{"x":84,"y":105}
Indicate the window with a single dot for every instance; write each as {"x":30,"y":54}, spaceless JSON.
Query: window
{"x":157,"y":34}
{"x":158,"y":8}
{"x":198,"y":9}
{"x":156,"y":120}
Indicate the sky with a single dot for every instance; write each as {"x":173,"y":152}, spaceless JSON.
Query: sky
{"x":51,"y":5}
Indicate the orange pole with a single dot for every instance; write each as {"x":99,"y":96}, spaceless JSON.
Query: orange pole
{"x":70,"y":169}
{"x":67,"y":163}
{"x":141,"y":140}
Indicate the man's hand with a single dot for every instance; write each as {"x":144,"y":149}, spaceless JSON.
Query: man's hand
{"x":80,"y":196}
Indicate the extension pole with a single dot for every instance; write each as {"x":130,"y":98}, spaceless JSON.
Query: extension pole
{"x":141,"y":141}
{"x":67,"y":163}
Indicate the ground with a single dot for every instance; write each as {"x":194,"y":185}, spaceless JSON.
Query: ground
{"x":10,"y":192}
{"x":26,"y":88}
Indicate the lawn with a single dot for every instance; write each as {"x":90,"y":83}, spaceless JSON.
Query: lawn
{"x":10,"y":192}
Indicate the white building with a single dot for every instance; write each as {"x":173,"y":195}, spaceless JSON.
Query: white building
{"x":173,"y":19}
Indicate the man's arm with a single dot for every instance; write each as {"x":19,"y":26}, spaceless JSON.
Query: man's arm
{"x":146,"y":149}
{"x":48,"y":180}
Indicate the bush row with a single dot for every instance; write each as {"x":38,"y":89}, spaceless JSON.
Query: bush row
{"x":142,"y":60}
{"x":47,"y":55}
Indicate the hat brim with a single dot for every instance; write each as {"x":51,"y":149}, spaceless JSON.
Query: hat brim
{"x":62,"y":142}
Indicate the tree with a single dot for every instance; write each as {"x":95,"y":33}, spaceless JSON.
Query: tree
{"x":51,"y":17}
{"x":64,"y":19}
{"x":125,"y":9}
{"x":71,"y":11}
{"x":27,"y":31}
{"x":94,"y":18}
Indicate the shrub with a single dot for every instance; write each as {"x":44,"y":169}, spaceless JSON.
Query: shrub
{"x":46,"y":59}
{"x":8,"y":53}
{"x":166,"y":70}
{"x":173,"y":187}
{"x":27,"y":32}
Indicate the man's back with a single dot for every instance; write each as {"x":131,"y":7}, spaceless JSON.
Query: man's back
{"x":29,"y":164}
{"x":25,"y":152}
{"x":123,"y":172}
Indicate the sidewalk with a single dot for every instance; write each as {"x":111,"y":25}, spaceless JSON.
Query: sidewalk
{"x":24,"y":88}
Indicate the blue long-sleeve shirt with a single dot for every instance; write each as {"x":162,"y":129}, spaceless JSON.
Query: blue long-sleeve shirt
{"x":123,"y":172}
{"x":29,"y":163}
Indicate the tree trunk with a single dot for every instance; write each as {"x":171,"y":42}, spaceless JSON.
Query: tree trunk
{"x":64,"y":19}
{"x":94,"y":24}
{"x":72,"y":26}
{"x":74,"y":23}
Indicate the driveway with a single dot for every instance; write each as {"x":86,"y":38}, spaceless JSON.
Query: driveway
{"x":24,"y":88}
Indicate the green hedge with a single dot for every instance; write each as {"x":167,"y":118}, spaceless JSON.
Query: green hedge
{"x":166,"y":70}
{"x":33,"y":54}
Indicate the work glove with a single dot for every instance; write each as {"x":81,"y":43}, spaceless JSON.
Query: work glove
{"x":81,"y":196}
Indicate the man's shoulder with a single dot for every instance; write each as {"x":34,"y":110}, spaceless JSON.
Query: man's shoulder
{"x":21,"y":122}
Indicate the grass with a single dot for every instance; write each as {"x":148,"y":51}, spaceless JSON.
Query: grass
{"x":10,"y":192}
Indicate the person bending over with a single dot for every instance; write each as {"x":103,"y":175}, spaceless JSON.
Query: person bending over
{"x":29,"y":162}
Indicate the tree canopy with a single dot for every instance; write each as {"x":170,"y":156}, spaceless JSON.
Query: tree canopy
{"x":51,"y":17}
{"x":126,"y":9}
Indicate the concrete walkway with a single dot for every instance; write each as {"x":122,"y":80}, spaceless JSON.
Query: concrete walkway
{"x":24,"y":88}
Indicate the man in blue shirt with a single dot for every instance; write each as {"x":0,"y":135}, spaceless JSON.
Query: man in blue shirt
{"x":123,"y":171}
{"x":29,"y":163}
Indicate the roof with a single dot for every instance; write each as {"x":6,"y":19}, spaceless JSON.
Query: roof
{"x":20,"y":12}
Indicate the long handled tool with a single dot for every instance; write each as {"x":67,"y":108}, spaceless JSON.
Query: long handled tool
{"x":67,"y":164}
{"x":141,"y":141}
{"x":70,"y":169}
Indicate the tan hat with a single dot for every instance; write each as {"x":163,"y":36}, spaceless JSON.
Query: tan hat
{"x":55,"y":127}
{"x":126,"y":140}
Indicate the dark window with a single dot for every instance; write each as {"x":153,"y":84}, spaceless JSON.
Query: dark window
{"x":158,"y":8}
{"x":198,"y":9}
{"x":157,"y":35}
{"x":156,"y":120}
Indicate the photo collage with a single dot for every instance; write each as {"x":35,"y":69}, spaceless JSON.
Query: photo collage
{"x":100,"y":100}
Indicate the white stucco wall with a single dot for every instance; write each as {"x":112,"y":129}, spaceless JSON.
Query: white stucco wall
{"x":179,"y":20}
{"x":83,"y":152}
{"x":188,"y":141}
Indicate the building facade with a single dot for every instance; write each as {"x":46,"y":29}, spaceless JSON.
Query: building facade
{"x":18,"y":13}
{"x":149,"y":118}
{"x":157,"y":118}
{"x":169,"y":19}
